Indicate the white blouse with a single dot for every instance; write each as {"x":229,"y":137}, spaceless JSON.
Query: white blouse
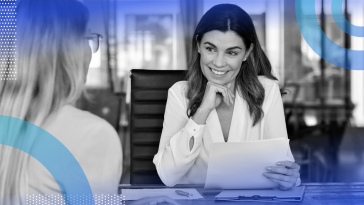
{"x":176,"y":163}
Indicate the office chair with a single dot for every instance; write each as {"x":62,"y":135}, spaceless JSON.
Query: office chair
{"x":149,"y":91}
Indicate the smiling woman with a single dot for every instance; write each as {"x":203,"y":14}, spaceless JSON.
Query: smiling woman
{"x":221,"y":56}
{"x":231,"y":96}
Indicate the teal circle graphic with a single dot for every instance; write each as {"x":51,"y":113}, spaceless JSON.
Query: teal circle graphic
{"x":49,"y":151}
{"x":347,"y":27}
{"x":311,"y":30}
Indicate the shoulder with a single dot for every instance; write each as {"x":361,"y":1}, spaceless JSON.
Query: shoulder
{"x":86,"y":116}
{"x":271,"y":87}
{"x":95,"y":144}
{"x":179,"y":89}
{"x":271,"y":92}
{"x":86,"y":123}
{"x":177,"y":94}
{"x":268,"y":84}
{"x":179,"y":86}
{"x":84,"y":134}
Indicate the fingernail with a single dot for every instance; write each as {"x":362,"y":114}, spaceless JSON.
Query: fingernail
{"x":278,"y":163}
{"x":269,"y":168}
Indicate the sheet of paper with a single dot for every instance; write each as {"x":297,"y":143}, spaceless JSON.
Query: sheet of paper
{"x":135,"y":194}
{"x":240,"y":165}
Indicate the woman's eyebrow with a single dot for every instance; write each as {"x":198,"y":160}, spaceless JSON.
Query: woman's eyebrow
{"x":235,"y":47}
{"x":211,"y":44}
{"x":231,"y":48}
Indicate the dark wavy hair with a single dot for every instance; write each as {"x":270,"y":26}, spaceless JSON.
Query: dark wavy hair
{"x":229,"y":17}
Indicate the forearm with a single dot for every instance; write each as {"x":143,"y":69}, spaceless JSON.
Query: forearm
{"x":199,"y":118}
{"x":175,"y":159}
{"x":201,"y":115}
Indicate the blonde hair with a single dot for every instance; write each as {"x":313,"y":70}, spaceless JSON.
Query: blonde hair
{"x":50,"y":73}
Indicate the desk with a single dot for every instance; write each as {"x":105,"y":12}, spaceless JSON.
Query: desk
{"x":315,"y":193}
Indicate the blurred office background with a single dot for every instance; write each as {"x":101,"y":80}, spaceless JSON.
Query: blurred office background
{"x":324,"y":105}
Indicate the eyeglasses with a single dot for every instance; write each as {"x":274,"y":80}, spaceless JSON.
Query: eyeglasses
{"x":94,"y":41}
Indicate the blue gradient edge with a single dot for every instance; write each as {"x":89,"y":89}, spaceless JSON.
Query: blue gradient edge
{"x":311,"y":26}
{"x":347,"y":27}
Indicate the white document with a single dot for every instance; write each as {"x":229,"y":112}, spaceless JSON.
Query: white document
{"x":240,"y":165}
{"x":135,"y":194}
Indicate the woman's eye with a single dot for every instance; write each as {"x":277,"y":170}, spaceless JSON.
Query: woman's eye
{"x":232,"y":53}
{"x":210,"y":49}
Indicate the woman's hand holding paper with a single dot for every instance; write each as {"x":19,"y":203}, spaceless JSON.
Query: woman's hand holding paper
{"x":285,"y":174}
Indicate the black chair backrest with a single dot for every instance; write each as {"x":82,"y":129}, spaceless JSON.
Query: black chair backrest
{"x":149,"y":91}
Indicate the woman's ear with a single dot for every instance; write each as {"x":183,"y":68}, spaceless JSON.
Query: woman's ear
{"x":248,"y":52}
{"x":198,"y":45}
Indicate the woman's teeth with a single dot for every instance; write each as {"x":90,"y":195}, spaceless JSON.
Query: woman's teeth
{"x":218,"y":72}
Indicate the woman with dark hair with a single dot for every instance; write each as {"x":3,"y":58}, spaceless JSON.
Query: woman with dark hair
{"x":231,"y":96}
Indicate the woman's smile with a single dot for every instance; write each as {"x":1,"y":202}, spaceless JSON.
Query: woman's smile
{"x":217,"y":72}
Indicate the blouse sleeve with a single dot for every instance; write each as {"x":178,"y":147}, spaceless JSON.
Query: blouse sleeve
{"x":174,"y":158}
{"x":275,"y":123}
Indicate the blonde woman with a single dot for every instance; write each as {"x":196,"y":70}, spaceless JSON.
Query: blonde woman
{"x":53,"y":54}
